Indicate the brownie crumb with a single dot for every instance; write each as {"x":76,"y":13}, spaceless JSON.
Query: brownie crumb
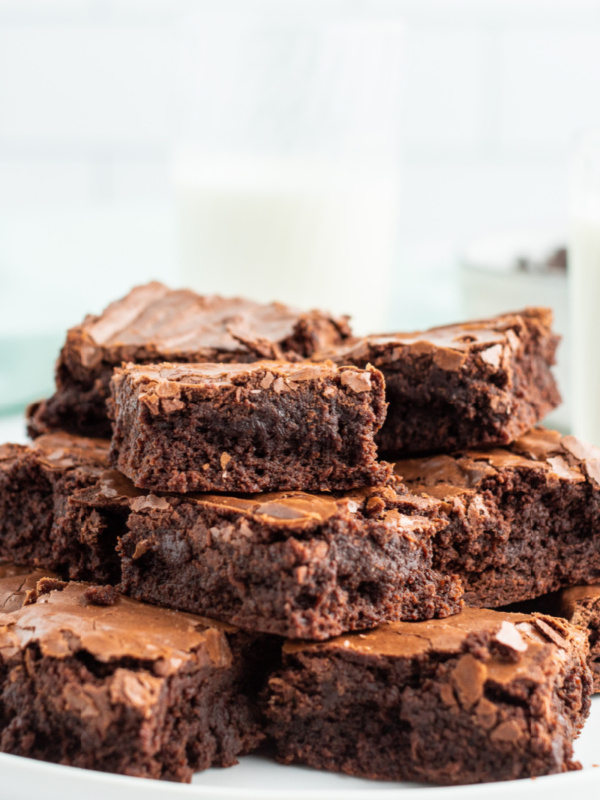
{"x":31,"y":597}
{"x":100,"y":595}
{"x":47,"y":585}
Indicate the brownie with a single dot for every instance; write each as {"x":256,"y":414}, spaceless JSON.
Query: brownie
{"x":267,"y":426}
{"x":288,"y":563}
{"x":153,"y":323}
{"x":37,"y":523}
{"x":123,"y":687}
{"x":291,"y":564}
{"x":481,"y":696}
{"x":579,"y":605}
{"x":472,"y":385}
{"x":523,"y":520}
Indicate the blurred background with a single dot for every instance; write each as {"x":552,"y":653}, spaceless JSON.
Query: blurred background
{"x":407,"y":162}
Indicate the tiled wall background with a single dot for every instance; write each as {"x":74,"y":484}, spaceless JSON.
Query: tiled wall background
{"x":494,"y":93}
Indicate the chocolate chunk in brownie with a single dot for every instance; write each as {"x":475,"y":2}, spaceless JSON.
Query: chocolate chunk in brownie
{"x":125,"y":688}
{"x":522,"y":520}
{"x":36,"y":519}
{"x":481,"y":696}
{"x":477,"y":384}
{"x":153,"y":323}
{"x":267,"y":426}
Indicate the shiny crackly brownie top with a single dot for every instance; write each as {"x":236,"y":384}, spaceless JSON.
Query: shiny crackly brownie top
{"x":492,"y":341}
{"x":521,"y":637}
{"x":557,"y":457}
{"x":58,"y":450}
{"x":291,"y":509}
{"x":17,"y":583}
{"x":63,"y":622}
{"x":571,"y":602}
{"x":164,"y":322}
{"x":167,"y":380}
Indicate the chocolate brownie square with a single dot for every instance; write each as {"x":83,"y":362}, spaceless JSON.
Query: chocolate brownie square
{"x":267,"y":426}
{"x":478,"y":384}
{"x":523,"y":520}
{"x":481,"y":696}
{"x":153,"y":323}
{"x":94,"y":680}
{"x":37,"y":524}
{"x":290,"y":563}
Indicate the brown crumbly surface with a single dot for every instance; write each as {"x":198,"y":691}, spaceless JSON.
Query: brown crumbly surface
{"x":481,"y":696}
{"x":522,"y":520}
{"x":288,"y":563}
{"x":124,"y":688}
{"x":477,"y":384}
{"x":154,"y":323}
{"x":38,"y":527}
{"x":18,"y":585}
{"x":579,"y":605}
{"x":267,"y":426}
{"x":291,"y":564}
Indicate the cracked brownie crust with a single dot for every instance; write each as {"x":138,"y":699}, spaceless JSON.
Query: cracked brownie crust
{"x":290,"y":563}
{"x":522,"y":520}
{"x":477,"y":384}
{"x":580,"y":605}
{"x":480,"y":696}
{"x":121,"y":687}
{"x":38,"y":526}
{"x":153,"y":323}
{"x":266,"y":426}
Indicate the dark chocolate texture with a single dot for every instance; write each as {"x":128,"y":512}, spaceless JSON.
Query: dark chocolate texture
{"x":522,"y":520}
{"x":478,"y":384}
{"x":267,"y":426}
{"x":153,"y":323}
{"x":18,"y":585}
{"x":480,"y":696}
{"x":580,"y":605}
{"x":289,"y":563}
{"x":124,"y":687}
{"x":38,"y":526}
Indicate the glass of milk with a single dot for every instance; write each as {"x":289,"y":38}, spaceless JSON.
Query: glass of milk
{"x":584,"y":288}
{"x":287,"y":172}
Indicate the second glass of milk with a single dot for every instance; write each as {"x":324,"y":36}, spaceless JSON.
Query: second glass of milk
{"x":584,"y":288}
{"x":287,"y":178}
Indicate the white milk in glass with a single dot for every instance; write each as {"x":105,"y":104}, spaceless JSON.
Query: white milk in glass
{"x":309,"y":233}
{"x":584,"y":266}
{"x":584,"y":289}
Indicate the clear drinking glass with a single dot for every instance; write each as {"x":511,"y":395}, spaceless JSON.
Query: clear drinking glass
{"x":287,"y":177}
{"x":584,"y":288}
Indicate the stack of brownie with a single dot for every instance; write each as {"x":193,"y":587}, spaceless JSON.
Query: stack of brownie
{"x":205,"y":554}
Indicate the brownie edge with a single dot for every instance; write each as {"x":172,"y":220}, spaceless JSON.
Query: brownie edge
{"x":154,"y":323}
{"x":260,"y":427}
{"x":93,"y":680}
{"x":481,"y":696}
{"x":476,"y":384}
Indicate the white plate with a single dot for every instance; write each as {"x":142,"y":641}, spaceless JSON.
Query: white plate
{"x":256,"y":778}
